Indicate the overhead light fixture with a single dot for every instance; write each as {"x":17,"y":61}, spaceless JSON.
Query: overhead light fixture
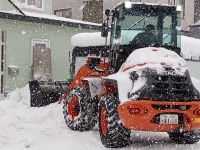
{"x":128,"y":4}
{"x":178,"y":8}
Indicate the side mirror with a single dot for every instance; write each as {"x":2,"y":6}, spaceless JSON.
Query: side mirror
{"x":107,"y":12}
{"x":104,"y":29}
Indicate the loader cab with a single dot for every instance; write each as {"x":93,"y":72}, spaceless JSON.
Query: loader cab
{"x":129,"y":19}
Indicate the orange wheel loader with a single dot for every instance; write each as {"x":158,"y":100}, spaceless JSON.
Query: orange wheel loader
{"x":135,"y":83}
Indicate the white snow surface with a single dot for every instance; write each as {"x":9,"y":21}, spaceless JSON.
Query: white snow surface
{"x":89,"y":39}
{"x":190,"y":48}
{"x":154,"y":56}
{"x":25,"y":128}
{"x":196,"y":24}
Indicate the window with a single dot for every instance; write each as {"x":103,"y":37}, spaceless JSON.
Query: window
{"x":171,"y":2}
{"x":41,"y":43}
{"x":135,"y":20}
{"x":30,"y":3}
{"x":67,"y":13}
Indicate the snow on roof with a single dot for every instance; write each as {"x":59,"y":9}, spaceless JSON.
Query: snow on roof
{"x":52,"y":17}
{"x":155,"y":4}
{"x":196,"y":24}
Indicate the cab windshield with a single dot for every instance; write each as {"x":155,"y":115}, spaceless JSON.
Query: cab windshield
{"x":135,"y":21}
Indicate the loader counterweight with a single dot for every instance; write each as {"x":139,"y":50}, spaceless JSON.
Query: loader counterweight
{"x":149,"y":118}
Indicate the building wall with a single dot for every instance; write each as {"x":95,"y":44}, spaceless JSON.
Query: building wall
{"x":19,"y":35}
{"x":197,"y":11}
{"x":6,"y":6}
{"x":93,"y":11}
{"x":189,"y":14}
{"x":77,"y":7}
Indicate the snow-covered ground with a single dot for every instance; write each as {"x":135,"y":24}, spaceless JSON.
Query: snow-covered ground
{"x":26,"y":128}
{"x":23,"y":127}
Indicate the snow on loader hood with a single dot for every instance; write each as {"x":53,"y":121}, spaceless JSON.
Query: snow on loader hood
{"x":150,"y":57}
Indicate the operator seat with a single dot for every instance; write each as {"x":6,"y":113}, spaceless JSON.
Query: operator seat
{"x":147,"y":37}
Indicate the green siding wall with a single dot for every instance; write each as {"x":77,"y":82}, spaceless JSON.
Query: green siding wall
{"x":6,"y":6}
{"x":19,"y":36}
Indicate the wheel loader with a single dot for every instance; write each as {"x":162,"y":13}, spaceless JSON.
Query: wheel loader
{"x":134,"y":84}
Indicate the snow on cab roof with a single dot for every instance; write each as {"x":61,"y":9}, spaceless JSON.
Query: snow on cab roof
{"x":89,"y":39}
{"x":196,"y":24}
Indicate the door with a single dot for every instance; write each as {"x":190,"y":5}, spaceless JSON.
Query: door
{"x":41,"y":63}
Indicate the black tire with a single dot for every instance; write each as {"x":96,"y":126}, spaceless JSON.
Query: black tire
{"x":189,"y":137}
{"x":80,"y":116}
{"x":115,"y":135}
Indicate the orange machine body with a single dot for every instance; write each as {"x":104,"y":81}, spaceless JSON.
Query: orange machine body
{"x":145,"y":118}
{"x":85,"y":72}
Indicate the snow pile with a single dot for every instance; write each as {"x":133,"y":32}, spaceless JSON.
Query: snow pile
{"x":150,"y":57}
{"x":24,"y":127}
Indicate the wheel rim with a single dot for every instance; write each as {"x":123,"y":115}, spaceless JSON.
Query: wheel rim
{"x":103,"y":122}
{"x":73,"y":107}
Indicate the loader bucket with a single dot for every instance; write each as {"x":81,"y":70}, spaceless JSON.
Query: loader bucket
{"x":43,"y":93}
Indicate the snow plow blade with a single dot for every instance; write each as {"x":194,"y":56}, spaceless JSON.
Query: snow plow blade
{"x":44,"y":93}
